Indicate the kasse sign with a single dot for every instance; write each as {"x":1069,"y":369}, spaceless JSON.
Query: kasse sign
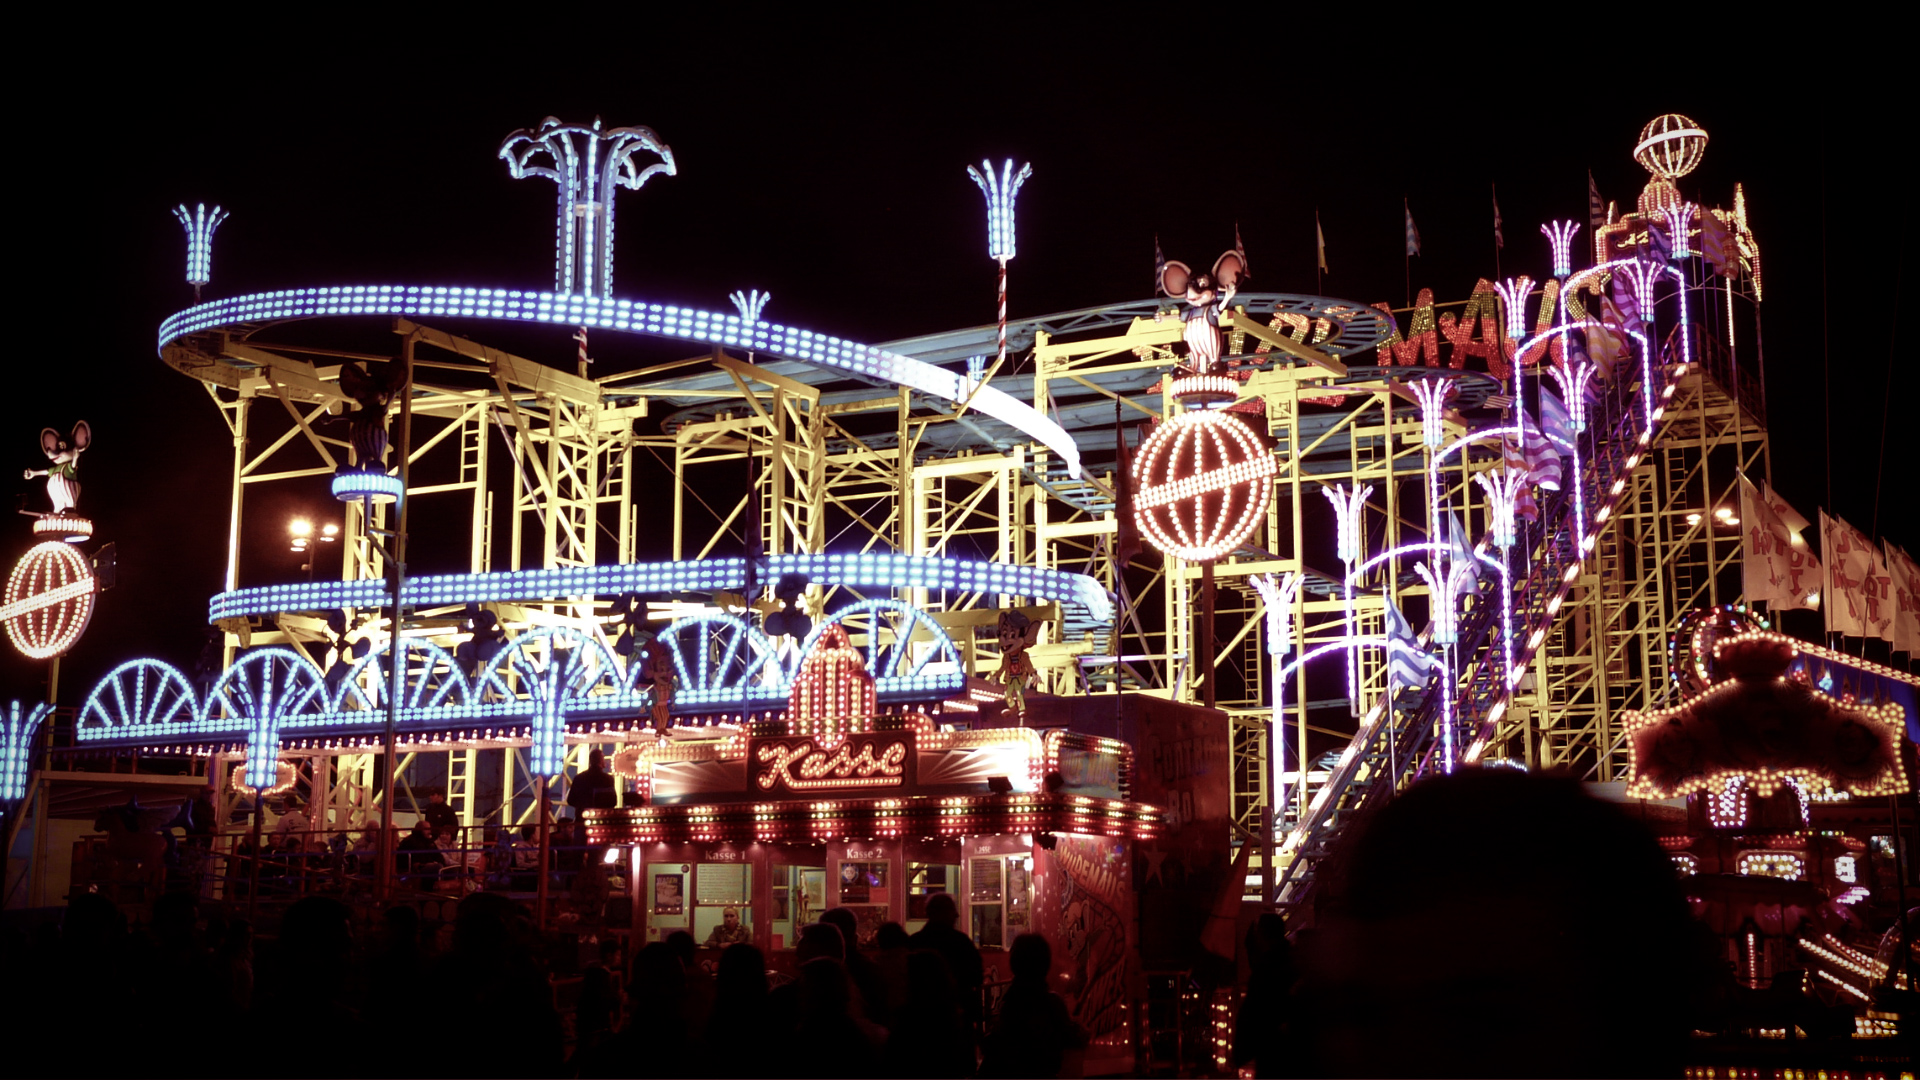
{"x":799,"y":765}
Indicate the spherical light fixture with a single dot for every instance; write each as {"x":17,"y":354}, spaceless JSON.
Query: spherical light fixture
{"x":1204,"y":482}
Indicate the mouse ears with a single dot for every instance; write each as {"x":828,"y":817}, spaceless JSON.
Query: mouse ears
{"x":1230,"y":268}
{"x":1174,"y":276}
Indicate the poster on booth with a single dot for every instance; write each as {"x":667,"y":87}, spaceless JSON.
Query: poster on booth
{"x":1859,"y":590}
{"x":1088,"y":918}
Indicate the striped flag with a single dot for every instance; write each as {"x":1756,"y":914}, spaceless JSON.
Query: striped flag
{"x":1596,"y":209}
{"x":1407,"y":663}
{"x":1524,"y":507}
{"x":1533,"y":456}
{"x":1460,"y":551}
{"x":1159,"y":265}
{"x":1717,"y":244}
{"x":1413,"y":231}
{"x":1320,"y":235}
{"x":1499,"y":241}
{"x":1555,"y":424}
{"x":1240,"y":249}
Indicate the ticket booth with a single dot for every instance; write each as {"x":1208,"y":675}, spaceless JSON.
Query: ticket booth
{"x":876,"y":811}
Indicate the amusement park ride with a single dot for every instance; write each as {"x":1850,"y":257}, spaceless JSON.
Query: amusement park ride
{"x":905,"y":580}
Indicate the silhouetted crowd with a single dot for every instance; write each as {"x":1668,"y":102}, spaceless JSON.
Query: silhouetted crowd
{"x":1492,"y":923}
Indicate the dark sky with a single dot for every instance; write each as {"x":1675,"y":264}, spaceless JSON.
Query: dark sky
{"x":828,"y":167}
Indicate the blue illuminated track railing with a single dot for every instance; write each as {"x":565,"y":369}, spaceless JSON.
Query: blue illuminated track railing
{"x":628,"y":316}
{"x":1394,"y":747}
{"x":1081,"y":596}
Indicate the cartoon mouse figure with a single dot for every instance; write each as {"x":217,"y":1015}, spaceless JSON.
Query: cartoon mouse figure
{"x":659,"y":672}
{"x":62,"y":487}
{"x":1017,"y":634}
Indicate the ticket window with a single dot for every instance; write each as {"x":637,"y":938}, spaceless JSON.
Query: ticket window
{"x":665,"y":890}
{"x":799,"y":896}
{"x":923,"y":880}
{"x":865,"y":887}
{"x":1000,"y":899}
{"x":718,"y":886}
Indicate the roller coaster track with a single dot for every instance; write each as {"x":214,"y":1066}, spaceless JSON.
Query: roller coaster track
{"x":1397,"y":743}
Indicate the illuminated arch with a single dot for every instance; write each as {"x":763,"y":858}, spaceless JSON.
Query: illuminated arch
{"x":432,"y":679}
{"x":264,"y":692}
{"x":140,"y":694}
{"x":897,"y":668}
{"x":548,"y":675}
{"x":721,"y":660}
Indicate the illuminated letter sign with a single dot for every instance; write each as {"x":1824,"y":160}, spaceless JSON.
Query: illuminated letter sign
{"x":796,"y":765}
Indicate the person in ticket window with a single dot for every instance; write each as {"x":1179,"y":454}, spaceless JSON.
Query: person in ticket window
{"x":730,"y":931}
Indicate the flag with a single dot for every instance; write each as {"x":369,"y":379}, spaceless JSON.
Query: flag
{"x":1660,"y":243}
{"x":1596,"y":210}
{"x":1515,"y":458}
{"x":1625,"y":302}
{"x":1905,"y":597}
{"x":1858,"y":587}
{"x":1499,"y":241}
{"x":1533,"y":455}
{"x":1240,"y":249}
{"x":1793,"y":518}
{"x":1716,"y":243}
{"x":1459,"y":551}
{"x":1775,"y":564}
{"x":1320,"y":235}
{"x":1413,"y":231}
{"x":1159,"y":265}
{"x":1407,"y":663}
{"x":1555,"y":423}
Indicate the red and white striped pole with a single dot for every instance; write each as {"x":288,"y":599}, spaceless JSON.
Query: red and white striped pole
{"x":1000,"y":189}
{"x":1003,"y":315}
{"x":580,"y":338}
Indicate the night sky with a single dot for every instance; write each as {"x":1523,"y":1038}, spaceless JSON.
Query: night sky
{"x":834,"y":176}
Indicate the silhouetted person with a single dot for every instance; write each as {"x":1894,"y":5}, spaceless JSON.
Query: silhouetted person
{"x":1497,"y":923}
{"x":868,"y":983}
{"x":930,"y":1035}
{"x":699,"y":1003}
{"x":307,"y":973}
{"x":1033,"y":1031}
{"x":438,"y":813}
{"x":838,"y":1043}
{"x":1261,"y":1027}
{"x":420,"y":858}
{"x":890,"y":956}
{"x":593,"y":788}
{"x":733,"y":1044}
{"x":492,"y":971}
{"x":656,"y":1032}
{"x":816,"y":941}
{"x":598,"y":1008}
{"x":941,"y":936}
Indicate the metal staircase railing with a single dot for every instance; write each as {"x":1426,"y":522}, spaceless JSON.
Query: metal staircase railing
{"x":1397,"y":740}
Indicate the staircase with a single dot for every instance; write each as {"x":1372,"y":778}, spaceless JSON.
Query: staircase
{"x":1398,"y":741}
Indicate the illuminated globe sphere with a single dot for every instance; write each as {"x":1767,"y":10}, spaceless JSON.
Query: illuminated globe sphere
{"x":1670,"y":146}
{"x":49,"y":599}
{"x":1202,"y":483}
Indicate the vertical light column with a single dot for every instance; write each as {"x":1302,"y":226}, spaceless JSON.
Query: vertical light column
{"x":1279,"y":592}
{"x":199,"y":226}
{"x":1000,"y":190}
{"x":1350,"y":541}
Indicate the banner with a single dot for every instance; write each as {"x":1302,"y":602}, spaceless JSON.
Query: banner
{"x":1775,"y":564}
{"x":1858,"y":588}
{"x":1906,"y":600}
